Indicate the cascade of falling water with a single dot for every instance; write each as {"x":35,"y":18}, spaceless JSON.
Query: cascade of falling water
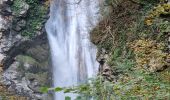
{"x":73,"y":55}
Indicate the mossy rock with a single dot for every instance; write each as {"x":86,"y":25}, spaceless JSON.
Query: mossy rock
{"x":20,"y":8}
{"x":28,"y":59}
{"x":37,"y":80}
{"x":29,"y":64}
{"x":6,"y":95}
{"x":40,"y":52}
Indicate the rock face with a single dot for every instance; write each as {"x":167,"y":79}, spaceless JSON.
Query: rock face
{"x":4,"y":26}
{"x":105,"y":70}
{"x":7,"y":38}
{"x":27,"y":74}
{"x":25,"y":61}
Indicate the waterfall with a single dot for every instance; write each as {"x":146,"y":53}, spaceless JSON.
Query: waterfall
{"x":73,"y":55}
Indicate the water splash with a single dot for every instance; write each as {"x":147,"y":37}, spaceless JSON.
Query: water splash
{"x":73,"y":55}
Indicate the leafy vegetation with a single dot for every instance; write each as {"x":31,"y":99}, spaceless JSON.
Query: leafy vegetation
{"x":163,"y":9}
{"x":35,"y":18}
{"x":133,"y":85}
{"x":18,"y":6}
{"x":149,"y":55}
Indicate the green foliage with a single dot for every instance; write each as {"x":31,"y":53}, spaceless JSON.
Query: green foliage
{"x":25,"y":59}
{"x":137,"y":84}
{"x":149,"y":54}
{"x":148,"y":85}
{"x":35,"y":20}
{"x":67,"y":98}
{"x":32,"y":2}
{"x":156,"y":31}
{"x":17,"y":6}
{"x":58,"y":89}
{"x":141,"y":2}
{"x":44,"y":89}
{"x":148,"y":2}
{"x":35,"y":16}
{"x":120,"y":61}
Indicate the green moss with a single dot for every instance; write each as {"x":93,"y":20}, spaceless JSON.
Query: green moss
{"x":27,"y":59}
{"x":40,"y":77}
{"x":29,"y":64}
{"x":32,"y":69}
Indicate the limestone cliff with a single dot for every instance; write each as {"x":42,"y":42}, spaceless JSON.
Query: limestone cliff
{"x":24,"y":50}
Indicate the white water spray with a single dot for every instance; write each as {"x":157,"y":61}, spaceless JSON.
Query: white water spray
{"x":73,"y":55}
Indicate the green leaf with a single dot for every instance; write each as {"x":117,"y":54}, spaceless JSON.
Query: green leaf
{"x":58,"y":89}
{"x":68,"y":90}
{"x":67,"y":98}
{"x":79,"y":98}
{"x":44,"y":89}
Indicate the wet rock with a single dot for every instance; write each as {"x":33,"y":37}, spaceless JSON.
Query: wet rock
{"x":20,"y":25}
{"x":5,"y":10}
